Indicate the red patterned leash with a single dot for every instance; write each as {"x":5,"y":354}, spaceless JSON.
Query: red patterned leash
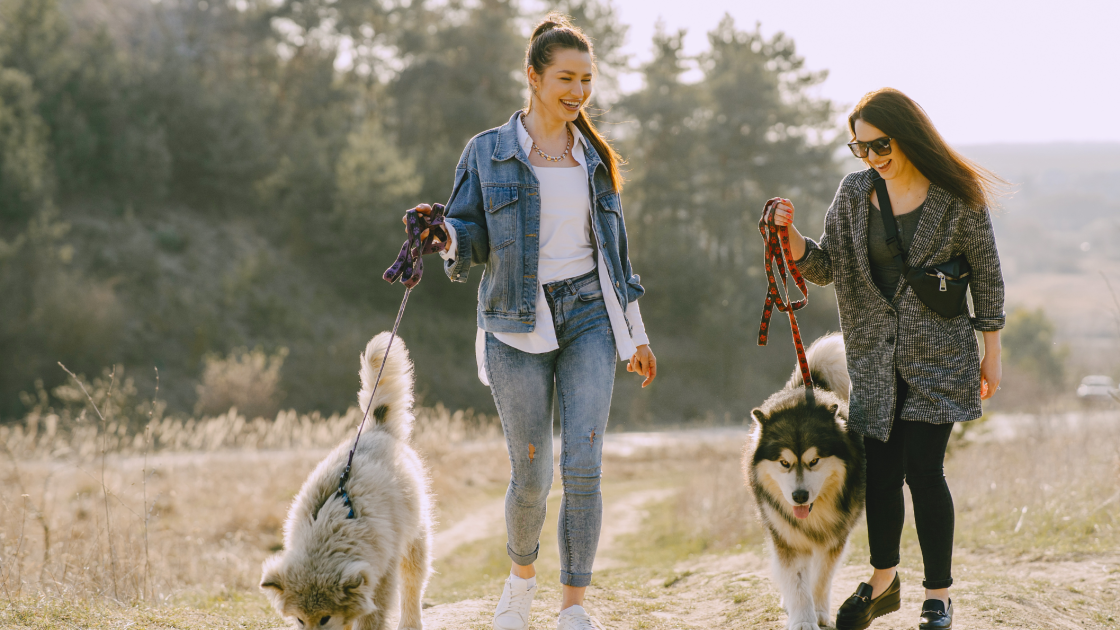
{"x":771,"y":232}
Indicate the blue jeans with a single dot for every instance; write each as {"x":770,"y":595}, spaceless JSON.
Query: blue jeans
{"x":581,"y":373}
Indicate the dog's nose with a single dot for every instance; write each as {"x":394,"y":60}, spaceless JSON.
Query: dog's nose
{"x":800,"y":496}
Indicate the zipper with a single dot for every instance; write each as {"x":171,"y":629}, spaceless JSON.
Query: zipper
{"x":937,"y":273}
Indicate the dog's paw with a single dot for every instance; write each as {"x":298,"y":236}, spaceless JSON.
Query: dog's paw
{"x":823,"y":620}
{"x":804,"y":625}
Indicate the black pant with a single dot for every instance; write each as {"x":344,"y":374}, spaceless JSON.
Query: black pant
{"x":914,"y":453}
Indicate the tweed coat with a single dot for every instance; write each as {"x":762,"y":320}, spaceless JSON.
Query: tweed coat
{"x":937,"y":356}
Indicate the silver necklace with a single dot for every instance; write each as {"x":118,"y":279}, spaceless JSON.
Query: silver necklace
{"x":542,"y":153}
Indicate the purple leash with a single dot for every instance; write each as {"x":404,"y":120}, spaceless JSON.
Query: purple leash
{"x":409,"y":268}
{"x":409,"y":265}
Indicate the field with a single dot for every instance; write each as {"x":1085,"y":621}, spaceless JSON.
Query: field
{"x":169,"y":528}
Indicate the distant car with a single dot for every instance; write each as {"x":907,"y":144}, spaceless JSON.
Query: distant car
{"x":1096,"y":388}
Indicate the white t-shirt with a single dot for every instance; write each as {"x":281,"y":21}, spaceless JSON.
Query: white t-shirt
{"x":567,"y":250}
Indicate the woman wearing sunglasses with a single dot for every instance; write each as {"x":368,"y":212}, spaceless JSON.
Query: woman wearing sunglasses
{"x":914,"y":371}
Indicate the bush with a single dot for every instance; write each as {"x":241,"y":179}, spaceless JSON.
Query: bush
{"x":1034,"y":364}
{"x":244,"y":379}
{"x":24,"y":167}
{"x":51,"y":311}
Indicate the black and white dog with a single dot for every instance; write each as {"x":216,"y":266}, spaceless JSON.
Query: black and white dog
{"x":807,"y":473}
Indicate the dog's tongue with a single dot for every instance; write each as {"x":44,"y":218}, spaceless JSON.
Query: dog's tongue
{"x":802,"y":511}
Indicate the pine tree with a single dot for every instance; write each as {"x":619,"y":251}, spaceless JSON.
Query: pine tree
{"x":705,"y":158}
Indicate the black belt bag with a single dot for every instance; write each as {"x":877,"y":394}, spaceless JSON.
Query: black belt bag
{"x":943,"y":288}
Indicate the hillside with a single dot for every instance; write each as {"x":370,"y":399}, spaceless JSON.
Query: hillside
{"x":1058,"y":232}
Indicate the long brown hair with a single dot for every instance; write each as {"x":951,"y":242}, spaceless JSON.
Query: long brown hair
{"x":904,"y":121}
{"x":554,"y":33}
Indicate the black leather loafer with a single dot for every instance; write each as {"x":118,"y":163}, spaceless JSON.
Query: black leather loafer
{"x":858,"y":611}
{"x":935,"y":616}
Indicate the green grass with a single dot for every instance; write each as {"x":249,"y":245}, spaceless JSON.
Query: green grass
{"x":474,"y":570}
{"x":666,"y":539}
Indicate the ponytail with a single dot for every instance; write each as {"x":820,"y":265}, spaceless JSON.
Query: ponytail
{"x":556,"y":32}
{"x":606,"y":152}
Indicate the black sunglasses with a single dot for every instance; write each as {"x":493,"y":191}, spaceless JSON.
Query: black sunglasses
{"x":881,"y":146}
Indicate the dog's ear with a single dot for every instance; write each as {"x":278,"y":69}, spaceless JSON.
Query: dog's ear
{"x":760,"y":416}
{"x":356,"y":590}
{"x":272,"y":578}
{"x":354,"y":578}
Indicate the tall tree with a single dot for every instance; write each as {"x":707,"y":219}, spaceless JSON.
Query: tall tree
{"x":462,"y":77}
{"x":705,"y":157}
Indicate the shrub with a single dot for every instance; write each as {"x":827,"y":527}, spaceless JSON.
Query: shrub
{"x":1034,"y":364}
{"x":244,"y":379}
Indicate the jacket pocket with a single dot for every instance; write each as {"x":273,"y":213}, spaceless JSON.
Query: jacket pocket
{"x":612,"y":211}
{"x":498,"y":197}
{"x":501,"y":206}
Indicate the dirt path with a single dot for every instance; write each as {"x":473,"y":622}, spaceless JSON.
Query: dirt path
{"x":622,"y":517}
{"x":734,"y":590}
{"x":481,"y":523}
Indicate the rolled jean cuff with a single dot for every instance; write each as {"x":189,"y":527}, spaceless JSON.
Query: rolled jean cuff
{"x":885,"y":565}
{"x":523,"y":560}
{"x":577,"y":580}
{"x":936,"y":584}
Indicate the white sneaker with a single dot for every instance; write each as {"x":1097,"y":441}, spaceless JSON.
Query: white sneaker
{"x":513,"y":607}
{"x":576,"y":618}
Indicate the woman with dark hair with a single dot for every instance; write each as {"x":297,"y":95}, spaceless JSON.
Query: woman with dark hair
{"x":537,"y":202}
{"x":914,"y":372}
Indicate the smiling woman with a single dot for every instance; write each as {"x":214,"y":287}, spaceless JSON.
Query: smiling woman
{"x":536,"y":201}
{"x":915,"y":370}
{"x":891,"y":113}
{"x":561,"y":71}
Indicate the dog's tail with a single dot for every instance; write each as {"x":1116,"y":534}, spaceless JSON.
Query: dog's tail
{"x":827,"y":365}
{"x":392,"y":409}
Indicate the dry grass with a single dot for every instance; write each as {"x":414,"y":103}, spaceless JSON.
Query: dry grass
{"x":195,"y":508}
{"x":1051,"y":489}
{"x":184,"y":509}
{"x":48,"y":435}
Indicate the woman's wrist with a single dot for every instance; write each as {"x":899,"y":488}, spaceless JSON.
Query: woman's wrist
{"x":992,"y":346}
{"x":796,"y":243}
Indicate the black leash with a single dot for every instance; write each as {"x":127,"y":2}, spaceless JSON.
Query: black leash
{"x":423,"y":230}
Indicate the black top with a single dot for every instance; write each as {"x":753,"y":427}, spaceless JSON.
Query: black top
{"x":884,"y":272}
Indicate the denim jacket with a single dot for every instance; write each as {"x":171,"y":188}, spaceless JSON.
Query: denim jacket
{"x":495,"y":211}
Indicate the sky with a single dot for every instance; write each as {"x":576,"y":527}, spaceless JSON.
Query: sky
{"x":986,"y":71}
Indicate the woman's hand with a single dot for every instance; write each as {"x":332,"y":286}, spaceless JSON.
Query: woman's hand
{"x":424,"y":209}
{"x":783,"y":217}
{"x":991,"y":368}
{"x":783,"y":213}
{"x":643,"y":362}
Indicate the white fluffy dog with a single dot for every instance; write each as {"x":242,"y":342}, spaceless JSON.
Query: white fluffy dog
{"x":341,"y":565}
